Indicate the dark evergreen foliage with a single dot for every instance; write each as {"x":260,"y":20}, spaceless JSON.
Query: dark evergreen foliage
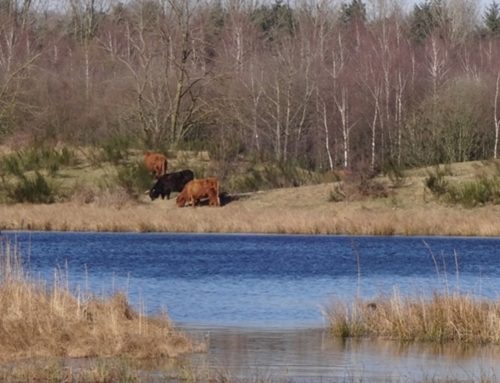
{"x":353,"y":11}
{"x":275,"y":19}
{"x":425,"y":18}
{"x":492,"y":18}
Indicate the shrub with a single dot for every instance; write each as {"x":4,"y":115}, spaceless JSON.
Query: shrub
{"x":336,"y":194}
{"x":115,"y":150}
{"x":270,"y":176}
{"x":395,"y":173}
{"x":474,"y":193}
{"x":482,"y":191}
{"x":134,"y":178}
{"x":358,"y":185}
{"x":34,"y":190}
{"x":36,"y":159}
{"x":436,"y":183}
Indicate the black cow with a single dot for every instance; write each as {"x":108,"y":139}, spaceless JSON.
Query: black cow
{"x":170,"y":182}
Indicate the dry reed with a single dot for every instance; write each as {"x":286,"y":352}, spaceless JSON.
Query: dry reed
{"x":443,"y":317}
{"x":256,"y":216}
{"x":49,"y":321}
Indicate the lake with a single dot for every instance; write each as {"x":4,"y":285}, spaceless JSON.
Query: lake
{"x":271,"y":289}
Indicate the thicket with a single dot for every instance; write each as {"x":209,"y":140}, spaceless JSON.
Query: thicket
{"x":485,"y":189}
{"x":321,"y":86}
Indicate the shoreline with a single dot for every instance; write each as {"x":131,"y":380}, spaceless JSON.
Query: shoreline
{"x":372,"y":218}
{"x":301,"y":211}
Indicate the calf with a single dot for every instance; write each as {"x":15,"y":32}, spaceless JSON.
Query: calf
{"x":171,"y":182}
{"x":198,"y":189}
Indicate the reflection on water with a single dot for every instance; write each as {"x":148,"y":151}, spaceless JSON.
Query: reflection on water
{"x":315,"y":356}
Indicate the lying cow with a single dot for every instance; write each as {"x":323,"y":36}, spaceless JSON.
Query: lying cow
{"x":198,"y":189}
{"x":171,"y":182}
{"x":156,"y":163}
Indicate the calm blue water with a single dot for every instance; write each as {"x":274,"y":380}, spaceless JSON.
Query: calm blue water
{"x":259,"y":280}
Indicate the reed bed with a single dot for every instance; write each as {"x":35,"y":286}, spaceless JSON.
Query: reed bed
{"x":443,"y":317}
{"x":255,"y":216}
{"x":38,"y":320}
{"x":57,"y":371}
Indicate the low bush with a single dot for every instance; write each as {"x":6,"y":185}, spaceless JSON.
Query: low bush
{"x":115,"y":150}
{"x":36,"y":159}
{"x":482,"y":191}
{"x":436,"y":182}
{"x":395,"y":172}
{"x":134,"y":178}
{"x":35,"y":189}
{"x":270,"y":176}
{"x":358,"y":185}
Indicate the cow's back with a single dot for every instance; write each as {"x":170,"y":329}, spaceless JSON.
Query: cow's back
{"x":200,"y":188}
{"x":155,"y":163}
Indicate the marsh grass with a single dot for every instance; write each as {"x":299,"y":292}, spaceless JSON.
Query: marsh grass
{"x":39,"y":320}
{"x":58,"y":370}
{"x":443,"y":317}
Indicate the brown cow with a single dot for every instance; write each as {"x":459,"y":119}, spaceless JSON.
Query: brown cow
{"x":156,"y":163}
{"x":200,"y":188}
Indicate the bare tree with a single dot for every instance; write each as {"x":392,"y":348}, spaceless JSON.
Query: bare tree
{"x":166,"y":83}
{"x":16,"y":59}
{"x":496,"y":119}
{"x":437,"y":63}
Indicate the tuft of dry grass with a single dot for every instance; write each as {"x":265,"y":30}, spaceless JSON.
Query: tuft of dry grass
{"x":443,"y":317}
{"x":49,"y":321}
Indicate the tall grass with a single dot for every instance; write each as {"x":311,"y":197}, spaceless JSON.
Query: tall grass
{"x":39,"y":320}
{"x":443,"y":317}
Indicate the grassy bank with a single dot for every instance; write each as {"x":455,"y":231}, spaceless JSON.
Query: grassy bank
{"x":39,"y":320}
{"x":444,"y":317}
{"x":303,"y":210}
{"x":85,"y":196}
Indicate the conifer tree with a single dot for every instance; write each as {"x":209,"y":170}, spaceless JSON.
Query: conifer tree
{"x":355,"y":10}
{"x":492,"y":18}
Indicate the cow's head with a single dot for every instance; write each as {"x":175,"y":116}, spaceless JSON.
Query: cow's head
{"x":180,"y":200}
{"x":154,"y":193}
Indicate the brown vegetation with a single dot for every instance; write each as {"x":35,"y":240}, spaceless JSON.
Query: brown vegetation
{"x":320,"y":85}
{"x":49,"y":321}
{"x":407,"y":207}
{"x":444,"y":317}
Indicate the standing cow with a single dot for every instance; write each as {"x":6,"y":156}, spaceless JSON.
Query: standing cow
{"x":198,"y":189}
{"x":156,"y":163}
{"x":171,"y":182}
